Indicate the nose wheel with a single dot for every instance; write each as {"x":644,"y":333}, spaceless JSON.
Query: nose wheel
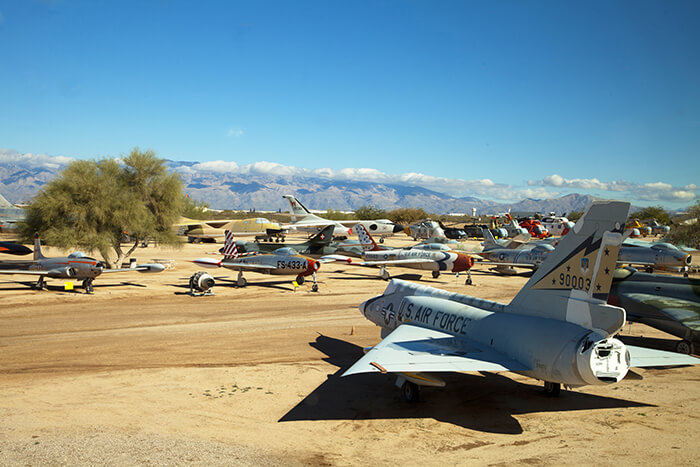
{"x":436,"y":274}
{"x":241,"y":282}
{"x":87,"y":285}
{"x":384,"y":274}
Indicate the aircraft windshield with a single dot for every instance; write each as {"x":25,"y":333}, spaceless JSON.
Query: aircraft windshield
{"x":665,"y":246}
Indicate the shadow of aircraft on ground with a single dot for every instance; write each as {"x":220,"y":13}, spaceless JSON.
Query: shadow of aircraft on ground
{"x":484,"y":402}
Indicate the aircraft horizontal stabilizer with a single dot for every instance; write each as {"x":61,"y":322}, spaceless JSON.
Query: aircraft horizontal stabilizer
{"x":208,"y":262}
{"x":643,"y":357}
{"x":414,"y":349}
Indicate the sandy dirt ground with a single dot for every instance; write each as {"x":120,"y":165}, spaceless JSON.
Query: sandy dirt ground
{"x":140,"y":372}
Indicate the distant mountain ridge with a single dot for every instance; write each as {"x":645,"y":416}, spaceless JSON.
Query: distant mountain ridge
{"x":21,"y":179}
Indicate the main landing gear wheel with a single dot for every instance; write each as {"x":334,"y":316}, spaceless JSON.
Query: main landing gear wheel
{"x":40,"y":284}
{"x":87,"y":285}
{"x":685,"y":347}
{"x":384,"y":274}
{"x":241,"y":282}
{"x":436,"y":274}
{"x":410,"y":392}
{"x":552,"y":389}
{"x":381,"y":239}
{"x":300,"y":280}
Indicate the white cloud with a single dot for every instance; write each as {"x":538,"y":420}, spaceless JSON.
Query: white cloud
{"x":215,"y":166}
{"x":655,"y":191}
{"x":29,"y":159}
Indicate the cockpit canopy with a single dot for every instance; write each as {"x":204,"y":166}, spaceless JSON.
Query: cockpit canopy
{"x":286,"y":251}
{"x":665,"y":246}
{"x":432,"y":246}
{"x":78,"y":254}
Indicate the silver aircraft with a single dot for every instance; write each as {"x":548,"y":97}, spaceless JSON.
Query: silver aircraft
{"x":505,"y":259}
{"x":557,"y":329}
{"x":75,"y":266}
{"x":655,"y":256}
{"x":282,"y":261}
{"x":433,"y":257}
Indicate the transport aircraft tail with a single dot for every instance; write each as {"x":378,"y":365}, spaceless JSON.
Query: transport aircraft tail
{"x":573,"y":282}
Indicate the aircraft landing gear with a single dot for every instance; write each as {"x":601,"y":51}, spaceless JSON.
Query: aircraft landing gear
{"x":87,"y":285}
{"x":300,"y":280}
{"x":410,"y":392}
{"x":314,"y":288}
{"x":40,"y":283}
{"x":436,"y":274}
{"x":381,"y":239}
{"x":685,"y":347}
{"x":241,"y":282}
{"x":552,"y":389}
{"x":384,"y":274}
{"x":469,"y":278}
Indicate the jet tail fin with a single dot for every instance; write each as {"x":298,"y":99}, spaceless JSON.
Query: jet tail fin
{"x":324,"y":237}
{"x":230,"y":248}
{"x":573,"y":282}
{"x":366,"y":240}
{"x":489,"y":241}
{"x":296,"y":208}
{"x":37,"y":247}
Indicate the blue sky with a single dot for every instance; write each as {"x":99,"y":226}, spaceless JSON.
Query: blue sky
{"x":498,"y":100}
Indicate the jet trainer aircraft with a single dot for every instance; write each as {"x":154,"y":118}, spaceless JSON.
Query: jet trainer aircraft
{"x":77,"y":266}
{"x":308,"y":222}
{"x":557,"y":329}
{"x":282,"y":261}
{"x":433,"y":257}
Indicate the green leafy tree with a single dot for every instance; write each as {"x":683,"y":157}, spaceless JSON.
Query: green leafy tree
{"x":195,"y":209}
{"x":370,"y":213}
{"x":652,"y":212}
{"x":574,"y":216}
{"x":93,"y":204}
{"x":407,"y":215}
{"x":686,"y":231}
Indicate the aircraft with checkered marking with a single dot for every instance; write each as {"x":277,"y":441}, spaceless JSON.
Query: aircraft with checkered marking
{"x":558,"y":328}
{"x":282,"y":261}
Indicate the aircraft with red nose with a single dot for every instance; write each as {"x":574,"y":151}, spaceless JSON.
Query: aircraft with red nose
{"x":282,"y":261}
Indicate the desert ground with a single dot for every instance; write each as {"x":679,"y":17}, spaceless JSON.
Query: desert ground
{"x":140,"y":372}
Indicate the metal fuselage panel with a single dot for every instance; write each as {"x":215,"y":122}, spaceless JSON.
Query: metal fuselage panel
{"x":440,"y":260}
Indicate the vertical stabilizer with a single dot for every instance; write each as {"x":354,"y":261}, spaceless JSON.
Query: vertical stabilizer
{"x":37,"y":247}
{"x":230,"y":248}
{"x":324,"y":237}
{"x":296,"y":208}
{"x":489,"y":241}
{"x":573,"y":282}
{"x":366,"y":240}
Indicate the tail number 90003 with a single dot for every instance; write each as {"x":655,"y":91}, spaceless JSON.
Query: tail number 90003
{"x":574,"y":281}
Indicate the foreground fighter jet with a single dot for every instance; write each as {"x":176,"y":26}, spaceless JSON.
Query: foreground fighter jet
{"x":283,"y":261}
{"x":557,"y":329}
{"x":668,"y":303}
{"x":433,"y":257}
{"x":76,"y":266}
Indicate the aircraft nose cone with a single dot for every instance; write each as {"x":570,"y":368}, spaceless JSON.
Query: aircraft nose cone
{"x":399,"y":228}
{"x":462,"y":263}
{"x":407,"y":230}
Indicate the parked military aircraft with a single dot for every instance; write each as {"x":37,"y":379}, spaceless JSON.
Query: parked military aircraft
{"x":282,"y":261}
{"x":525,"y":255}
{"x":212,"y":230}
{"x":557,"y":329}
{"x":668,"y":303}
{"x":11,"y":248}
{"x":655,"y":256}
{"x":425,"y":229}
{"x":309,"y":222}
{"x":433,"y":257}
{"x":76,"y":266}
{"x":658,"y":229}
{"x":556,"y":225}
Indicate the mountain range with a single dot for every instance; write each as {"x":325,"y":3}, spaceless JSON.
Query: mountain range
{"x":21,"y":178}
